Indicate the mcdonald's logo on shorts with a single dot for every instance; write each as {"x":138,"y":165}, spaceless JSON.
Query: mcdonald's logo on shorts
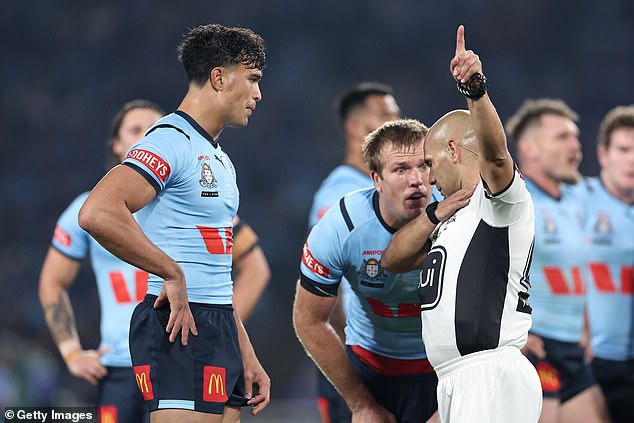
{"x":215,"y":384}
{"x":142,"y":375}
{"x":108,"y":414}
{"x":549,"y":377}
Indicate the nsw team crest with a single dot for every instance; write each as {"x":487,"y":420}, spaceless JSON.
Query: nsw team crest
{"x":207,"y":178}
{"x":371,"y":270}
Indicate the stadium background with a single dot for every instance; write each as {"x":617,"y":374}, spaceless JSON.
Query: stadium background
{"x":67,"y":66}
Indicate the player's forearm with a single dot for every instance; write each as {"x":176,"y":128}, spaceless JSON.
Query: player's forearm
{"x":61,"y":321}
{"x":409,"y":246}
{"x":324,"y":347}
{"x":253,"y":275}
{"x":489,"y":130}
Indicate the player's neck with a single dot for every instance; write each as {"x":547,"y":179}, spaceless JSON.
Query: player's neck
{"x":355,"y":160}
{"x":547,"y":184}
{"x":202,"y":111}
{"x":625,"y":196}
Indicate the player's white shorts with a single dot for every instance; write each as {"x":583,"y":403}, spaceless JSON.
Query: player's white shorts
{"x":493,"y":386}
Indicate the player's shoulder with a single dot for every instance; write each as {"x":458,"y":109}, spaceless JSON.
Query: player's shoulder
{"x":586,"y":186}
{"x":358,"y":207}
{"x":77,"y":203}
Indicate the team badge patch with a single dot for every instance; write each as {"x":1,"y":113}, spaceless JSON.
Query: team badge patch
{"x":371,"y":273}
{"x":207,"y":178}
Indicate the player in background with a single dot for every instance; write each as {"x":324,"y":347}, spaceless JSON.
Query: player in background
{"x":191,"y":355}
{"x":610,"y":240}
{"x":120,"y":287}
{"x":546,"y":136}
{"x":360,"y":110}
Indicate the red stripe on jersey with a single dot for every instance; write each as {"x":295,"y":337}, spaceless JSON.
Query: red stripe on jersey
{"x":392,"y":366}
{"x":121,"y":294}
{"x":62,"y":236}
{"x":602,"y":277}
{"x":157,"y":165}
{"x":556,"y":280}
{"x":627,"y":280}
{"x":315,"y":266}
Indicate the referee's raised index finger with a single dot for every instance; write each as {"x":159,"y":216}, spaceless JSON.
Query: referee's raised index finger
{"x":460,"y":44}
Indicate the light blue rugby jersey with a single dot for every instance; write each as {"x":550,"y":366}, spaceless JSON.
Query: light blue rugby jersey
{"x":190,"y":218}
{"x":557,"y":285}
{"x":610,"y":296}
{"x":384,"y":314}
{"x":121,"y":286}
{"x":342,"y":180}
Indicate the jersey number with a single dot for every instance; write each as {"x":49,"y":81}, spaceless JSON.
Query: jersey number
{"x":120,"y":289}
{"x":214,"y":241}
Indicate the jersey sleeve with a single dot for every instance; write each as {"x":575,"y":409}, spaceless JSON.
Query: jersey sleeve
{"x":69,"y":238}
{"x":322,"y":264}
{"x":160,"y":157}
{"x":507,"y":206}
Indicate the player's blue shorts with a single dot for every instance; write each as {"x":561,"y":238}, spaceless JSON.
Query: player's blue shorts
{"x":205,"y":375}
{"x":563,"y":373}
{"x":616,"y":379}
{"x":331,"y":405}
{"x":410,"y":397}
{"x":120,"y":399}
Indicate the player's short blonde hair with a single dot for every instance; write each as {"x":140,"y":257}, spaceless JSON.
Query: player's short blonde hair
{"x":403,"y":134}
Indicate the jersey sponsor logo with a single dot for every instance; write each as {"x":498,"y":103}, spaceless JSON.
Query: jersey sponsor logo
{"x":431,"y":278}
{"x":402,"y":310}
{"x":314,"y":266}
{"x":61,"y":236}
{"x":220,"y":160}
{"x":142,"y":375}
{"x":558,"y":283}
{"x":371,"y":272}
{"x":214,"y":240}
{"x":207,"y":177}
{"x":549,"y":377}
{"x":209,"y":194}
{"x":108,"y":414}
{"x":604,"y":282}
{"x":203,"y":157}
{"x":157,"y":165}
{"x":372,"y":252}
{"x":215,"y":384}
{"x":120,"y":288}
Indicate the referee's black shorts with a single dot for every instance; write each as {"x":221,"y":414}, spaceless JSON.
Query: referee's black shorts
{"x":205,"y":375}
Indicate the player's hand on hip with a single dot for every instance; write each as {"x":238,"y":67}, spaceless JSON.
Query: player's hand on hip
{"x":534,"y":346}
{"x":373,"y":414}
{"x":254,"y":374}
{"x":465,"y":62}
{"x":86,"y":365}
{"x":181,"y":318}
